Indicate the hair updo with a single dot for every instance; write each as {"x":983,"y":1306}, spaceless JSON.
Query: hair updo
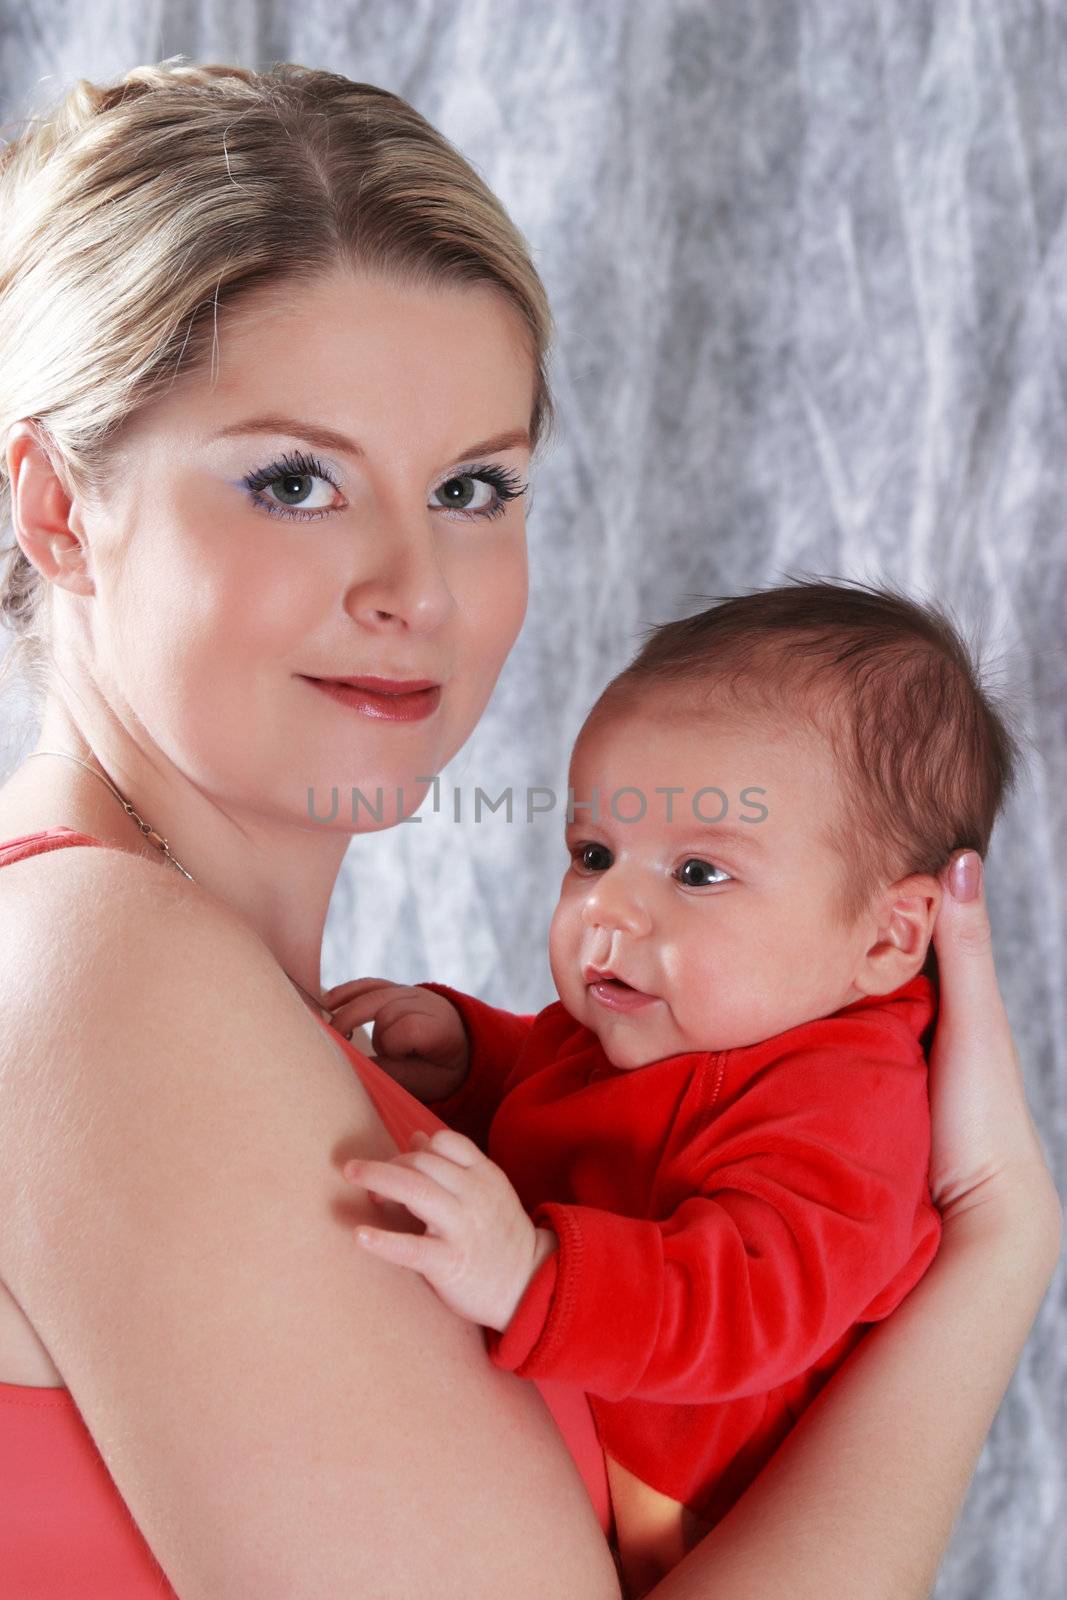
{"x":135,"y":212}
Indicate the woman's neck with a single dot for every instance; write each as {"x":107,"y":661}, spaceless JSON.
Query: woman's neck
{"x":277,"y":876}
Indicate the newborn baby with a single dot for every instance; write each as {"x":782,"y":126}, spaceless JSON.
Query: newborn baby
{"x":690,"y":1182}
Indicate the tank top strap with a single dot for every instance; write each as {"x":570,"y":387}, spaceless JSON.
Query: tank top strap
{"x":401,"y":1113}
{"x":36,"y":844}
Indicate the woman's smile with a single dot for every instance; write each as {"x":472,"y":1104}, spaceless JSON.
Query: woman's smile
{"x":384,"y":705}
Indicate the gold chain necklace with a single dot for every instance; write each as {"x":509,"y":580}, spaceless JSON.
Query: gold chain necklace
{"x":157,"y":839}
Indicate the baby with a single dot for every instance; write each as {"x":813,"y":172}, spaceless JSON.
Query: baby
{"x":690,"y":1182}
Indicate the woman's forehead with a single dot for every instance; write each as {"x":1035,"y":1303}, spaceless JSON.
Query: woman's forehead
{"x":361,"y":355}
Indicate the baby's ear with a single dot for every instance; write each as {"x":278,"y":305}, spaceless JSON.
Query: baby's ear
{"x":901,"y":923}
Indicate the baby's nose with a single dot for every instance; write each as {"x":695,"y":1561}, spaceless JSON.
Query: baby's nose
{"x":611,"y":902}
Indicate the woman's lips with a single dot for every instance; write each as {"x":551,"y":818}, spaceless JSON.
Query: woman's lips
{"x":619,"y":996}
{"x":412,"y":707}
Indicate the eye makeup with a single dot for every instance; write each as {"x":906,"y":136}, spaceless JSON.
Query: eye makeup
{"x":505,"y":482}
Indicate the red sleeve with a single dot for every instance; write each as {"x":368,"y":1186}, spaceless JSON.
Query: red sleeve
{"x":809,"y":1198}
{"x":496,"y":1038}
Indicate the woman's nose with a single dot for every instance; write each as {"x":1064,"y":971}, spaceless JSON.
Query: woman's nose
{"x":405,"y":585}
{"x":613,"y":901}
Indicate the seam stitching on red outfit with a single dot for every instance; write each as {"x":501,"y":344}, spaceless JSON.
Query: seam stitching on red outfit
{"x":556,"y":1325}
{"x":59,"y":1390}
{"x":719,"y":1062}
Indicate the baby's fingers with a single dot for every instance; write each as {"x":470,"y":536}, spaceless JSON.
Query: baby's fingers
{"x":353,"y":987}
{"x":379,"y":1005}
{"x":419,"y":1251}
{"x":418,"y":1191}
{"x":455,"y":1146}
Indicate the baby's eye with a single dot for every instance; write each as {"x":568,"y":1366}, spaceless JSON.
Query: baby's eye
{"x":694,"y":873}
{"x":591,"y":857}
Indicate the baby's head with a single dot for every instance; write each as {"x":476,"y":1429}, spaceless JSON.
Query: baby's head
{"x":778,"y":781}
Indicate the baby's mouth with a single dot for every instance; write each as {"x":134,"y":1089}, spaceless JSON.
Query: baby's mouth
{"x":616,"y":993}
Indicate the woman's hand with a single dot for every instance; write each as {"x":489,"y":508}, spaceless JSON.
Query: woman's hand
{"x":986,"y":1159}
{"x":419,"y":1037}
{"x":480,"y":1249}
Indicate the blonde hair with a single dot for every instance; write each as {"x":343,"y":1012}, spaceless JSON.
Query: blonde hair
{"x":134,"y":212}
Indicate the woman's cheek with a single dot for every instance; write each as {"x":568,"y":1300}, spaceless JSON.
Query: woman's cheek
{"x":492,"y":603}
{"x":496,"y":575}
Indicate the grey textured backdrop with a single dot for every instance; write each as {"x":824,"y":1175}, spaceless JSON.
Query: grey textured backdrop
{"x":809,"y":265}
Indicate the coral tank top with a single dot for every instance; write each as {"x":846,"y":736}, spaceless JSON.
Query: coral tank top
{"x":65,"y":1530}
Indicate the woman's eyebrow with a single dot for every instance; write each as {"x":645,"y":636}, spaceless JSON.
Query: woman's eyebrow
{"x":329,"y":439}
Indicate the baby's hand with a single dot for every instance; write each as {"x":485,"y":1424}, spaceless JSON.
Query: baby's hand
{"x":480,"y":1249}
{"x":419,"y":1037}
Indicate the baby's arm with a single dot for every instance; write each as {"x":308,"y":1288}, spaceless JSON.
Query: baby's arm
{"x":480,"y":1249}
{"x":807,"y":1212}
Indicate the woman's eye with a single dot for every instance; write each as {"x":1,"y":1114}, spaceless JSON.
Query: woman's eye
{"x":479,"y":492}
{"x":694,"y":873}
{"x":290,"y":480}
{"x":591,"y":857}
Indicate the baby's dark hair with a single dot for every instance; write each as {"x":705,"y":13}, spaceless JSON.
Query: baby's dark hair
{"x":927,"y":751}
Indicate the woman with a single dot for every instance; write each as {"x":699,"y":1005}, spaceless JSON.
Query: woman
{"x":273,"y":370}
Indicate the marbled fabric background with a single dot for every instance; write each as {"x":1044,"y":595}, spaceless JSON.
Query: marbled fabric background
{"x":809,"y":266}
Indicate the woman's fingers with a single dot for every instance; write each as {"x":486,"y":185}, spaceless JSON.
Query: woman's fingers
{"x":983,"y":1137}
{"x":964,"y":945}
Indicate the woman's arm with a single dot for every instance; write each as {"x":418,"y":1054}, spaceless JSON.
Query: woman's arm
{"x":286,"y":1417}
{"x":862,"y":1497}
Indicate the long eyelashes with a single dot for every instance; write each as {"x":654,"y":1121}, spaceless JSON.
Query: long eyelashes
{"x":505,"y":483}
{"x":293,"y":465}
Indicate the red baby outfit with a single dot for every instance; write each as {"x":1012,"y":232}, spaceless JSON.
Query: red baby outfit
{"x":727,"y":1220}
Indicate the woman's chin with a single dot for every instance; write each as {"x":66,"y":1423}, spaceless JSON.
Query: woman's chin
{"x":366,"y":807}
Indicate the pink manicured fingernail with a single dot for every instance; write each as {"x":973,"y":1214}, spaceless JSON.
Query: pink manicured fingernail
{"x":965,"y":876}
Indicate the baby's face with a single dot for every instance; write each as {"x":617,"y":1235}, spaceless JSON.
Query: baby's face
{"x":723,"y":929}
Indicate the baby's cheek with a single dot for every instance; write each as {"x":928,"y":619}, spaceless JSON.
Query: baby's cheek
{"x":563,"y":941}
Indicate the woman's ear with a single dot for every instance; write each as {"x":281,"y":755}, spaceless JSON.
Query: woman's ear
{"x":898,"y":928}
{"x":46,"y":519}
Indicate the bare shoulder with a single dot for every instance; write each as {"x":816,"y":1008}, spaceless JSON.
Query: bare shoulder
{"x":66,"y":914}
{"x":176,"y":1229}
{"x":132,"y":997}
